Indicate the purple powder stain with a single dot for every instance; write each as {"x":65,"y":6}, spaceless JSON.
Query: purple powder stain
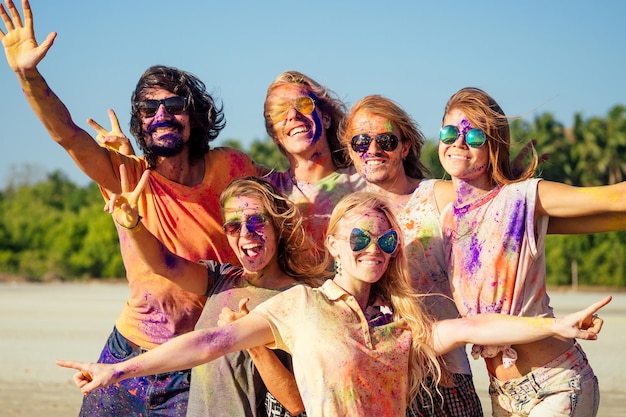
{"x":465,"y":126}
{"x":516,"y":228}
{"x":170,"y":259}
{"x":473,"y":256}
{"x":220,"y":337}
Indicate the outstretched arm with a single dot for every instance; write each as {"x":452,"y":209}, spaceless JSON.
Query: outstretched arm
{"x":597,"y":223}
{"x":561,"y":200}
{"x":278,"y":379}
{"x":189,"y":275}
{"x":23,"y":54}
{"x":182,"y":352}
{"x":502,"y":329}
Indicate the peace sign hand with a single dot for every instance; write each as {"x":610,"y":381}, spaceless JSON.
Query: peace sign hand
{"x":115,"y":138}
{"x":123,"y":207}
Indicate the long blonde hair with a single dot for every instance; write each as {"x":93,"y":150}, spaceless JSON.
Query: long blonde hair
{"x":395,"y":288}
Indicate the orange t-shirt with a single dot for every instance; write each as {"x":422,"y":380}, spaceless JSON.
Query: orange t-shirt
{"x":188,"y":222}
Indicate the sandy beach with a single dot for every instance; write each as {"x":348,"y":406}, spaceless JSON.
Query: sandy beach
{"x":40,"y":323}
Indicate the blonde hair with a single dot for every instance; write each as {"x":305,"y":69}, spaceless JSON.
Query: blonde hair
{"x":328,"y":104}
{"x":394,"y":287}
{"x":296,"y":252}
{"x":485,"y":113}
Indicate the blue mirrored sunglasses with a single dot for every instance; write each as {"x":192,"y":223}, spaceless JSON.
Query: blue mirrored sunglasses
{"x":475,"y":138}
{"x":360,"y":240}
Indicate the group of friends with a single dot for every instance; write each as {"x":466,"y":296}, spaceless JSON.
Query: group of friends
{"x":348,"y":285}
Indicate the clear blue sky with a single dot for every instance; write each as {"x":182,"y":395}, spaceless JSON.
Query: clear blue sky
{"x":563,"y":57}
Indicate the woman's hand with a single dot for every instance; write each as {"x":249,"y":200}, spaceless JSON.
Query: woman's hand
{"x":583,"y":324}
{"x":90,"y":375}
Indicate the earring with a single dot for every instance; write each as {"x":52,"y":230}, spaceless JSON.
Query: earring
{"x":337,"y":267}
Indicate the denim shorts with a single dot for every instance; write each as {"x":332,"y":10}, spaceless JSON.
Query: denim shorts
{"x":565,"y":386}
{"x":149,"y":396}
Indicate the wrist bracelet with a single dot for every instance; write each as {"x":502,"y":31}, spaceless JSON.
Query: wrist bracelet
{"x":131,"y":227}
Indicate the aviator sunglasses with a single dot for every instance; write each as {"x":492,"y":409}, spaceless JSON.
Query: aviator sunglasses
{"x":277,"y":112}
{"x":388,"y":142}
{"x":173,"y":105}
{"x":360,"y":240}
{"x":253,"y":224}
{"x":475,"y":138}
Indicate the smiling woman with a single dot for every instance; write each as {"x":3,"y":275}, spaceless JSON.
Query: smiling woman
{"x":265,"y":231}
{"x":494,"y":236}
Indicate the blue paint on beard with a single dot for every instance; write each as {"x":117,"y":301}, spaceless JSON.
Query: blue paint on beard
{"x":170,"y":144}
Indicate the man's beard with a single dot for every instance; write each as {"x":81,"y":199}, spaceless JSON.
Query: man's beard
{"x":169,"y":144}
{"x":172,"y":146}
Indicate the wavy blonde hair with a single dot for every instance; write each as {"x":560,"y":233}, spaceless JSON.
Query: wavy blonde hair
{"x":296,"y":252}
{"x":394,"y":287}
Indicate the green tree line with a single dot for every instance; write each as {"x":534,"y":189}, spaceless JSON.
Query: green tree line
{"x":55,"y":229}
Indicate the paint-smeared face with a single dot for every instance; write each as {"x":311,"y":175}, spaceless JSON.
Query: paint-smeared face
{"x":458,"y":159}
{"x":297,"y":131}
{"x":256,"y":248}
{"x":375,"y":164}
{"x":165,"y":134}
{"x":369,"y":264}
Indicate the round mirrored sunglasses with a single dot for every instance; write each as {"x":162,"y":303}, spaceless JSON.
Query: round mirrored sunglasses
{"x":475,"y":138}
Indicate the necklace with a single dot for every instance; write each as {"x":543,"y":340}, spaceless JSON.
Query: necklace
{"x":462,"y":225}
{"x":461,"y":210}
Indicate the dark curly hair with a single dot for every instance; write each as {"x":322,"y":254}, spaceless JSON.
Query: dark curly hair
{"x":206,"y":117}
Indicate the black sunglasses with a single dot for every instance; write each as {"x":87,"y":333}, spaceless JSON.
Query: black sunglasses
{"x":385,"y":141}
{"x":253,"y":224}
{"x":173,"y":105}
